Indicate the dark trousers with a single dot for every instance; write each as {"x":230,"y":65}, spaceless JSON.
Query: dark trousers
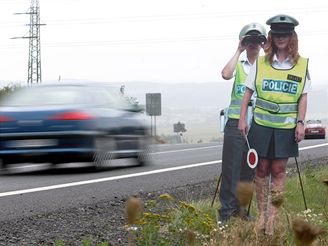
{"x":234,"y":169}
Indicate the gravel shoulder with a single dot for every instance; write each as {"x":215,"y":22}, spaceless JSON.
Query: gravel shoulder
{"x":100,"y":222}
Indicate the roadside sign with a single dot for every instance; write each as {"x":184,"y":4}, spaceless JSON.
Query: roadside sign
{"x":153,"y":104}
{"x":179,"y":127}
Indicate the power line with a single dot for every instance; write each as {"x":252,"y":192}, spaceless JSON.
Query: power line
{"x":181,"y":17}
{"x":34,"y":59}
{"x":150,"y":41}
{"x":169,"y":17}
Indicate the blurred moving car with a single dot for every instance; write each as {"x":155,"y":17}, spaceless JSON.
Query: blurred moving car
{"x":70,"y":123}
{"x":314,"y":129}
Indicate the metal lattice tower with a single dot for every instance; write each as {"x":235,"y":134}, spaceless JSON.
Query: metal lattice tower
{"x":34,"y":57}
{"x":34,"y":54}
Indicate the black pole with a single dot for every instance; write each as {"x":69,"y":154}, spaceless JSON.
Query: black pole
{"x":216,"y":189}
{"x":299,"y":176}
{"x":250,"y":202}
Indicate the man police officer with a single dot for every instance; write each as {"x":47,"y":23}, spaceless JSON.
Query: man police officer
{"x":234,"y":167}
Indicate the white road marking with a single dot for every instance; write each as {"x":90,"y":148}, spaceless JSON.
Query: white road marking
{"x":182,"y":150}
{"x":313,"y":146}
{"x":92,"y":181}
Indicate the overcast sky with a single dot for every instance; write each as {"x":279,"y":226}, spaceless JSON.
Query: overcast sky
{"x":169,"y":41}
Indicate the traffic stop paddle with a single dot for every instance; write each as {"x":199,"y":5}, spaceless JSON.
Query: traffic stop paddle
{"x":252,"y":157}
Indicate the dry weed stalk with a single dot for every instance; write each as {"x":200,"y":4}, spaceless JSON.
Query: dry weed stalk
{"x":305,"y":232}
{"x":244,"y":192}
{"x":190,"y":237}
{"x":325,"y":181}
{"x":133,"y":210}
{"x":277,"y":198}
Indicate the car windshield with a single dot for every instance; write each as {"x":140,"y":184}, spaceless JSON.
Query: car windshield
{"x":66,"y":95}
{"x":43,"y":96}
{"x":314,"y":123}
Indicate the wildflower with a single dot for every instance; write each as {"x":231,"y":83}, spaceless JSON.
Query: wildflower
{"x":132,"y":210}
{"x":152,"y":216}
{"x":166,"y":196}
{"x":244,"y":192}
{"x":187,"y":206}
{"x":305,"y":232}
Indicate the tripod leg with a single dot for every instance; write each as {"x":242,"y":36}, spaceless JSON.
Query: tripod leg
{"x":216,"y":189}
{"x":301,"y":183}
{"x":250,"y":202}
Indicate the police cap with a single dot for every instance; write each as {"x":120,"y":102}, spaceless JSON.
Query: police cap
{"x":252,"y":29}
{"x":282,"y":24}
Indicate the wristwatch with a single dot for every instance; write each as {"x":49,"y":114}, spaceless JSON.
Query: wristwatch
{"x":301,"y":122}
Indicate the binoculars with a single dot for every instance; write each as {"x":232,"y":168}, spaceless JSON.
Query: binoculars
{"x":254,"y":39}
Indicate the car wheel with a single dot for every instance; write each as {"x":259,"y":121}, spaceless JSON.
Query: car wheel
{"x":3,"y":165}
{"x":143,"y":159}
{"x":103,"y":152}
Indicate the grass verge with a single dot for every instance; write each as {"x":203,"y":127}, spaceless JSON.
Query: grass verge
{"x":167,"y":221}
{"x":170,"y":222}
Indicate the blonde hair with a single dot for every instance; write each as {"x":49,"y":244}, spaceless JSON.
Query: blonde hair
{"x":270,"y":49}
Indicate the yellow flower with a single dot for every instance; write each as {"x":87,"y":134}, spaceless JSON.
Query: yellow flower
{"x":166,"y":196}
{"x":187,"y":206}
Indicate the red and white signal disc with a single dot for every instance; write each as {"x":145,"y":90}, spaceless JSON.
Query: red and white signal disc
{"x":252,"y":158}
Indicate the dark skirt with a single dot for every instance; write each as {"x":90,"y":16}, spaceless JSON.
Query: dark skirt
{"x":272,"y":143}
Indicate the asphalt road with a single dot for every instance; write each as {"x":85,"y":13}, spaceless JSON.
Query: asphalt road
{"x":30,"y":190}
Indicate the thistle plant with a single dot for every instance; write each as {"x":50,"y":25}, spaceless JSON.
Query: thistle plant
{"x":305,"y":232}
{"x":244,"y":192}
{"x":133,"y":210}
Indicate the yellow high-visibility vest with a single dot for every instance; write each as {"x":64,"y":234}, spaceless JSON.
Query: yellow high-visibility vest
{"x":237,"y":93}
{"x":278,"y":92}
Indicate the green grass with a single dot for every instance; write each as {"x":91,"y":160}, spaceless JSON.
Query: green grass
{"x":195,"y":223}
{"x":314,"y":191}
{"x":167,"y":221}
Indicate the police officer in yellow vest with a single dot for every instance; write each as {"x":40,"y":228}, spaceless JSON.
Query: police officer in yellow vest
{"x":234,"y":167}
{"x":281,"y":81}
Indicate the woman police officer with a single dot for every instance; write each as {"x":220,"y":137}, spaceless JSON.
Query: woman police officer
{"x":281,"y":81}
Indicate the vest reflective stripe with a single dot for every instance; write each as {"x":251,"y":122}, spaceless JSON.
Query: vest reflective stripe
{"x":236,"y":102}
{"x":275,"y":107}
{"x":237,"y":93}
{"x":234,"y":111}
{"x":278,"y":92}
{"x":275,"y":118}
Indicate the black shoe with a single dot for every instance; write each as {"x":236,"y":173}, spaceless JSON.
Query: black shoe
{"x":248,"y":217}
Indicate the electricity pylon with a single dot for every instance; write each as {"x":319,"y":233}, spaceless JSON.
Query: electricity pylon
{"x":34,"y":57}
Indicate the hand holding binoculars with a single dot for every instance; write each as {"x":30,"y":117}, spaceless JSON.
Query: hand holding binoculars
{"x":254,"y":39}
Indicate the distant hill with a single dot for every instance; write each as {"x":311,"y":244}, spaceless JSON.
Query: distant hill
{"x":198,"y":104}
